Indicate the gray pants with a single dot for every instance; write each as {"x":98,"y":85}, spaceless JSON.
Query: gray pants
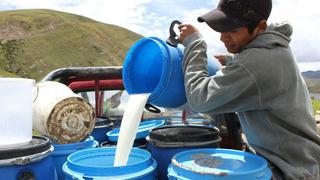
{"x":277,"y":174}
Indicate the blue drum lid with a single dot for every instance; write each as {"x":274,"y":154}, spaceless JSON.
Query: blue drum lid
{"x":219,"y":164}
{"x":143,"y":130}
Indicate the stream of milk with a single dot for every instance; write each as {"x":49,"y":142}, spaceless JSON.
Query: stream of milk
{"x":129,"y":126}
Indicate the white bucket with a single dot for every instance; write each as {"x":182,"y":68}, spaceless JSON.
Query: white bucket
{"x":61,"y":114}
{"x":16,"y":95}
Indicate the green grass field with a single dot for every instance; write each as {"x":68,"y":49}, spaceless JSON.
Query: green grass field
{"x":316,"y":105}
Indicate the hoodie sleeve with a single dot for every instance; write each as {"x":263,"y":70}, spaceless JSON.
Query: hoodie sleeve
{"x":231,"y":90}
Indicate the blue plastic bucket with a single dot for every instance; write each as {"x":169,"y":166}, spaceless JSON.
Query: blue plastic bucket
{"x":30,"y":160}
{"x":62,"y":151}
{"x":152,"y":66}
{"x":164,"y":142}
{"x":102,"y":126}
{"x":218,"y":164}
{"x":98,"y":164}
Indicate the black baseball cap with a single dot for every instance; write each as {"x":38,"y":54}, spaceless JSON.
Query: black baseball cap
{"x":232,"y":14}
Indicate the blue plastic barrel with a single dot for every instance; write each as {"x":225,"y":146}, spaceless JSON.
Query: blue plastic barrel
{"x":218,"y":164}
{"x":98,"y":164}
{"x":164,"y":142}
{"x":102,"y":126}
{"x":62,"y":151}
{"x":152,"y":66}
{"x":30,"y":160}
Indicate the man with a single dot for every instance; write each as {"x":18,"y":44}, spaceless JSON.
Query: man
{"x":261,"y":83}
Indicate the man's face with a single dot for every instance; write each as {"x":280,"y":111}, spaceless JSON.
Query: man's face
{"x":236,"y":39}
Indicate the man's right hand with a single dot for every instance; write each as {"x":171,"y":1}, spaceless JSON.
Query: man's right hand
{"x":221,"y":59}
{"x":185,"y":31}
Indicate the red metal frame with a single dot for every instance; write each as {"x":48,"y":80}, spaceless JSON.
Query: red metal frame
{"x":80,"y":84}
{"x":110,"y":84}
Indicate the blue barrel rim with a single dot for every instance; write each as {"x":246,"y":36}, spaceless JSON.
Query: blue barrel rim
{"x":88,"y":153}
{"x":167,"y":65}
{"x":141,"y":132}
{"x":88,"y":142}
{"x":62,"y":151}
{"x":146,"y":166}
{"x":175,"y":166}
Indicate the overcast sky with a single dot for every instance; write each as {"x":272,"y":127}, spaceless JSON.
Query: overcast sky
{"x":153,"y":17}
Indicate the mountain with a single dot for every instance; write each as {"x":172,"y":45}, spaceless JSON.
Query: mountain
{"x":313,"y":85}
{"x":34,"y":42}
{"x":312,"y":74}
{"x":312,"y":79}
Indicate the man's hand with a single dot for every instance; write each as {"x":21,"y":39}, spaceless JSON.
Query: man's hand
{"x":185,"y":31}
{"x":221,"y":59}
{"x":224,"y":59}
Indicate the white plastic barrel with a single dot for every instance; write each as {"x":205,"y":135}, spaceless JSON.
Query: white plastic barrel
{"x":60,"y":114}
{"x":16,"y":110}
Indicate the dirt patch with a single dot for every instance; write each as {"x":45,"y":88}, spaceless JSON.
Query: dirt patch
{"x":14,"y":30}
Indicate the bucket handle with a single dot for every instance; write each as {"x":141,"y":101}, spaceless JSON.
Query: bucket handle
{"x":35,"y":93}
{"x":173,"y":38}
{"x":152,"y":108}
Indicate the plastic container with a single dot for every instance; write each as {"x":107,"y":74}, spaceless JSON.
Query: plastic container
{"x":102,"y":126}
{"x":143,"y":130}
{"x":98,"y":164}
{"x":164,"y":142}
{"x":31,"y":160}
{"x":218,"y":164}
{"x":62,"y":115}
{"x":62,"y":151}
{"x":16,"y":96}
{"x":152,"y":66}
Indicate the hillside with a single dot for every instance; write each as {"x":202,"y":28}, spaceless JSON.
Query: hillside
{"x":312,"y":79}
{"x":35,"y":42}
{"x":312,"y":74}
{"x":313,"y":85}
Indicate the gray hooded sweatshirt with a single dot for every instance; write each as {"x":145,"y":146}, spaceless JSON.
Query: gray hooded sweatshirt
{"x":264,"y":87}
